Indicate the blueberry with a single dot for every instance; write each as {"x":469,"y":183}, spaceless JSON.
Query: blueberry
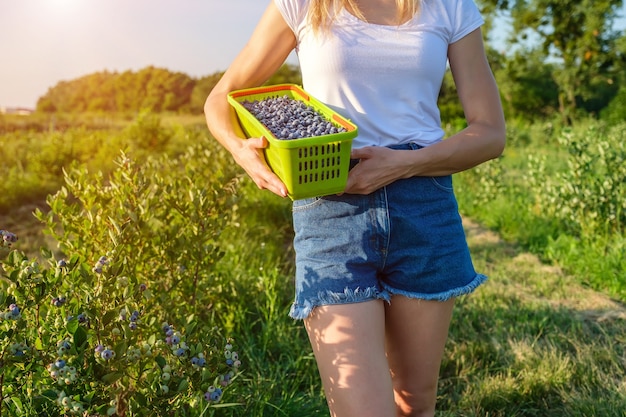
{"x":58,"y":301}
{"x":14,"y":309}
{"x":107,"y":354}
{"x":216,"y":395}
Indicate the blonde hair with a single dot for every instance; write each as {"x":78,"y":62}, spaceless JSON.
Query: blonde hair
{"x":322,"y":12}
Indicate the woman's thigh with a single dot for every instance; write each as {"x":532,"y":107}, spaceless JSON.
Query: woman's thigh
{"x":416,"y":334}
{"x":349,"y":345}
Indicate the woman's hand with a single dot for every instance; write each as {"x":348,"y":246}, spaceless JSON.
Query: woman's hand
{"x":377,"y":167}
{"x":251,"y":158}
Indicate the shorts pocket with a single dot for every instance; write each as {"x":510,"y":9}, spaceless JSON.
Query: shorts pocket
{"x":443,"y":183}
{"x":304,"y":203}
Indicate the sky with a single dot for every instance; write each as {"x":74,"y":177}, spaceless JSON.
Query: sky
{"x":43,"y":42}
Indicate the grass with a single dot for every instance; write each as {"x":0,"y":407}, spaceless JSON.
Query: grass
{"x":533,"y":341}
{"x":530,"y":342}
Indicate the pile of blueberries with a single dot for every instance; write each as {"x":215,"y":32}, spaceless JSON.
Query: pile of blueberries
{"x":288,"y":118}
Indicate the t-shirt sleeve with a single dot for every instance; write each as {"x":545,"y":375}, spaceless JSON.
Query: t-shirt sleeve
{"x":293,"y":12}
{"x":466,"y":19}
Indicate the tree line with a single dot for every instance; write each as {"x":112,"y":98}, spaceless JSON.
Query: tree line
{"x":575,"y":66}
{"x":151,"y":88}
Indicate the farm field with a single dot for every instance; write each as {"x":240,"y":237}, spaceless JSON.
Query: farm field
{"x":165,"y":256}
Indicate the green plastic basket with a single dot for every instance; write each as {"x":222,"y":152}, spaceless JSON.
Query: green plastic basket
{"x":309,"y":167}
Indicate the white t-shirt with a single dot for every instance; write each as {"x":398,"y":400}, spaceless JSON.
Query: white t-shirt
{"x":385,"y":79}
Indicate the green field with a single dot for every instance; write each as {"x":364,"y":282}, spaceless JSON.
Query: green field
{"x":190,"y":242}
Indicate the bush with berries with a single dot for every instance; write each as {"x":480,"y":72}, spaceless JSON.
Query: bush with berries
{"x":125,"y":316}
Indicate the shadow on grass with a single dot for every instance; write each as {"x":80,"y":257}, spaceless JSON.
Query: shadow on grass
{"x":531,"y":342}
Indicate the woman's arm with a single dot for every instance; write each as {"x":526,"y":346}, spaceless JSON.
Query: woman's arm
{"x":482,"y":140}
{"x":268,"y":48}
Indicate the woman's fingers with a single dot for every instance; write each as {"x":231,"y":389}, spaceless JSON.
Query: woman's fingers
{"x":252,"y":160}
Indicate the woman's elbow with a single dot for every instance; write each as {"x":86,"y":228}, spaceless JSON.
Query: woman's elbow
{"x":498,"y":141}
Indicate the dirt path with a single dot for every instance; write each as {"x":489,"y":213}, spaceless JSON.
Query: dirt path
{"x":533,"y":281}
{"x":28,"y":229}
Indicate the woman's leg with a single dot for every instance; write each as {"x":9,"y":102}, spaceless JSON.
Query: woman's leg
{"x":417,"y":331}
{"x":349,"y":345}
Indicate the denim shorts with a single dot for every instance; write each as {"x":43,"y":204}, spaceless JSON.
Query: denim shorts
{"x":406,"y":238}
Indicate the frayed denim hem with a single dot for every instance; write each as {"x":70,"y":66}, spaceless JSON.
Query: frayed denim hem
{"x":442,"y":296}
{"x":348,"y":296}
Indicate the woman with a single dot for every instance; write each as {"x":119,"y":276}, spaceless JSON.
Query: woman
{"x":379,"y":266}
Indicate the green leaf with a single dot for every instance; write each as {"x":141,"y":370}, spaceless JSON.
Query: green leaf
{"x":139,"y":399}
{"x":112,"y":377}
{"x":80,"y":337}
{"x":50,"y":394}
{"x":46,"y":253}
{"x":121,"y":348}
{"x":38,"y":343}
{"x":89,"y":397}
{"x":183,"y":385}
{"x":72,"y":326}
{"x":40,"y":292}
{"x":160,"y":360}
{"x":224,"y":405}
{"x":108,"y":317}
{"x":18,"y":404}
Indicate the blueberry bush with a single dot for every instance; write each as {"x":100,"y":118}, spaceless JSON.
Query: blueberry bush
{"x":566,"y":201}
{"x":125,"y":316}
{"x":590,"y":195}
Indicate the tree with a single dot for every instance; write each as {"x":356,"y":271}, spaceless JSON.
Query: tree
{"x":576,"y":35}
{"x":526,"y":86}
